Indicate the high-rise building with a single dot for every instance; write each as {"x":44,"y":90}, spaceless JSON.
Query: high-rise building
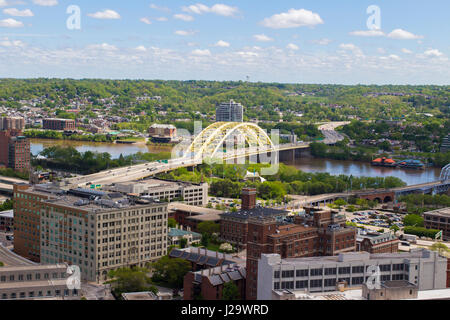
{"x":230,"y":112}
{"x":95,"y":230}
{"x":14,"y":147}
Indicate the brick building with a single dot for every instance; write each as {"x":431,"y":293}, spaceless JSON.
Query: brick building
{"x":317,"y":233}
{"x":438,"y":220}
{"x":14,"y":150}
{"x":162,"y":132}
{"x":59,"y":124}
{"x":374,"y":242}
{"x":7,"y":220}
{"x":234,"y":225}
{"x":210,"y":272}
{"x":190,"y":216}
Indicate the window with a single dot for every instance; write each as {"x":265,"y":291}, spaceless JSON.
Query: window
{"x":301,"y":284}
{"x":330,"y":282}
{"x":385,"y":267}
{"x":276,"y":286}
{"x":344,"y":270}
{"x":358,"y":269}
{"x":287,"y":285}
{"x":357,"y":280}
{"x":315,"y":283}
{"x":287,"y":274}
{"x":330,"y":271}
{"x":316,"y":272}
{"x":302,"y":273}
{"x":276,"y":274}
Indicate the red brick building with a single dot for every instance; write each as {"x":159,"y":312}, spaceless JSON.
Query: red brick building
{"x":375,"y":242}
{"x":210,"y":272}
{"x":190,"y":216}
{"x":14,"y":150}
{"x":59,"y":124}
{"x":234,"y":225}
{"x":317,"y":233}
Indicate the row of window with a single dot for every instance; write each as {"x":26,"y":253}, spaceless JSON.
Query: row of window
{"x":332,"y":271}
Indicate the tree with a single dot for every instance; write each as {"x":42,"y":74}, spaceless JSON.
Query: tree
{"x":394,"y":228}
{"x":439,"y":247}
{"x":230,"y":291}
{"x":170,"y":271}
{"x":413,"y":220}
{"x":208,"y":227}
{"x":130,"y":280}
{"x":171,"y":223}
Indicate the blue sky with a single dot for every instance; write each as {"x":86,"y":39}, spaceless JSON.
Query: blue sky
{"x":275,"y":41}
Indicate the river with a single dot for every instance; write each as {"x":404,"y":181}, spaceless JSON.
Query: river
{"x":334,"y":167}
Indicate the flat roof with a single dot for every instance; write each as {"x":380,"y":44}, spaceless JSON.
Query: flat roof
{"x":255,"y":212}
{"x":444,"y":212}
{"x":177,"y":206}
{"x":32,"y":284}
{"x":31,"y":268}
{"x":204,"y":217}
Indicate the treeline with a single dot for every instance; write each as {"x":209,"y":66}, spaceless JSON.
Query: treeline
{"x":68,"y":158}
{"x":420,"y":203}
{"x":228,"y":180}
{"x":8,"y":172}
{"x":341,"y":152}
{"x":57,"y":135}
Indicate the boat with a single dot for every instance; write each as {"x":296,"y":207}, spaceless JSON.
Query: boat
{"x":411,"y":164}
{"x":384,"y":162}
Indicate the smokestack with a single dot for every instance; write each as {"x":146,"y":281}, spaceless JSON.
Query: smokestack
{"x":248,"y":198}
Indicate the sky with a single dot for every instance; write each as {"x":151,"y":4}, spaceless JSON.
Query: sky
{"x":303,"y":41}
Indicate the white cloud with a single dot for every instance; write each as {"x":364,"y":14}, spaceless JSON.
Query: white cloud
{"x":199,"y":52}
{"x":292,"y":19}
{"x":322,"y":42}
{"x":18,"y":13}
{"x":262,"y":37}
{"x":3,"y":3}
{"x":184,"y":33}
{"x":106,"y":14}
{"x":161,"y":19}
{"x":433,"y":53}
{"x":222,"y":44}
{"x":156,"y":7}
{"x":219,"y":9}
{"x":11,"y":43}
{"x":145,"y":20}
{"x":368,"y":33}
{"x":103,"y":46}
{"x":292,"y":46}
{"x":351,"y":47}
{"x":403,"y":35}
{"x":141,"y":49}
{"x":46,"y":3}
{"x":11,"y":23}
{"x":406,"y":51}
{"x":394,"y":57}
{"x":381,"y":50}
{"x":184,"y":17}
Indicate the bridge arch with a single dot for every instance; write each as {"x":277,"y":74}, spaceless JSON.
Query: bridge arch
{"x":445,"y":173}
{"x":211,"y":139}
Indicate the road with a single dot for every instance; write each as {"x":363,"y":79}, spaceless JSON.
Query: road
{"x":11,"y":259}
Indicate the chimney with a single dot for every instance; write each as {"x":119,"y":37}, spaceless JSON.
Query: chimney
{"x":248,"y":198}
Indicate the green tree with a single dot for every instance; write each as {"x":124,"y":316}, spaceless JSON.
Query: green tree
{"x":170,"y":271}
{"x":183,"y":242}
{"x":413,"y":220}
{"x":130,"y":280}
{"x":230,"y":291}
{"x":208,"y":227}
{"x":440,"y":247}
{"x":171,"y":223}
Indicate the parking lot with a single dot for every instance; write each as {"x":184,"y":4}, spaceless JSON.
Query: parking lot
{"x":374,"y":219}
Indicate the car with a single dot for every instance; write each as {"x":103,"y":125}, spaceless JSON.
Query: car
{"x":405,"y":243}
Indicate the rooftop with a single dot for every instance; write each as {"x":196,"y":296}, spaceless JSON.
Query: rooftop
{"x":258,"y":211}
{"x":445,"y":212}
{"x":173,"y":232}
{"x":7,"y":214}
{"x":177,"y":206}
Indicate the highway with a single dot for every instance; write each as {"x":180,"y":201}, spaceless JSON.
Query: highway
{"x":10,"y":259}
{"x":142,"y":171}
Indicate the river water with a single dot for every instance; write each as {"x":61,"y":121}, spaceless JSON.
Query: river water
{"x":334,"y":167}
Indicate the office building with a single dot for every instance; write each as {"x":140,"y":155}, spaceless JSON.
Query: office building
{"x":234,"y":225}
{"x":316,"y":233}
{"x":14,"y":147}
{"x":423,"y":268}
{"x":439,"y":220}
{"x":36,"y":283}
{"x":95,"y":230}
{"x":230,"y":112}
{"x":190,"y":216}
{"x":374,"y":242}
{"x":7,"y":220}
{"x":163,"y":133}
{"x":195,"y":194}
{"x":59,"y":124}
{"x":12,"y":123}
